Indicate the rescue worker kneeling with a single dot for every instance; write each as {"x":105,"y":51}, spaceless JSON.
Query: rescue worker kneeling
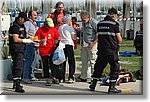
{"x":109,"y":39}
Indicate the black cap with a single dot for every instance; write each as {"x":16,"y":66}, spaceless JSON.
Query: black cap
{"x":23,"y":15}
{"x":112,"y":11}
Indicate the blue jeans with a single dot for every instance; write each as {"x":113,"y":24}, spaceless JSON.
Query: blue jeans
{"x":29,"y":56}
{"x":36,"y":62}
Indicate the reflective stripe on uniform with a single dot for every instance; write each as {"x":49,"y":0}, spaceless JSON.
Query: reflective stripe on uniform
{"x":139,"y":34}
{"x":95,"y":78}
{"x":108,"y":22}
{"x":112,"y":81}
{"x":16,"y":78}
{"x":106,"y":33}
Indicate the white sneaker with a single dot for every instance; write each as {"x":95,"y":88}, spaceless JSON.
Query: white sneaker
{"x":88,"y":80}
{"x":71,"y":81}
{"x":34,"y":79}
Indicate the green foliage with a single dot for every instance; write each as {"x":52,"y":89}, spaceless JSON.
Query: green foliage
{"x":132,"y":64}
{"x":5,"y":52}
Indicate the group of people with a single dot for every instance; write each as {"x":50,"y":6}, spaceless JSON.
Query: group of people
{"x":99,"y":46}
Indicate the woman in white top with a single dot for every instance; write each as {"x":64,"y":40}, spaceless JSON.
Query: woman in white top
{"x":67,"y":32}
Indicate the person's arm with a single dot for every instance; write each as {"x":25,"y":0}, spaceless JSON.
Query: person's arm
{"x":29,"y":29}
{"x":27,"y":26}
{"x":118,"y":35}
{"x":93,"y":43}
{"x":57,"y":35}
{"x":73,"y":36}
{"x":119,"y":38}
{"x":94,"y":25}
{"x":38,"y":34}
{"x":72,"y":31}
{"x":15,"y":32}
{"x":57,"y":38}
{"x":49,"y":15}
{"x":19,"y":40}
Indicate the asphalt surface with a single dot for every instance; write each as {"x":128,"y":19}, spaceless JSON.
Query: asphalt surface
{"x":77,"y":88}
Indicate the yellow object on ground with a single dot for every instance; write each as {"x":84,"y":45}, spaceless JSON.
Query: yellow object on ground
{"x":126,"y":90}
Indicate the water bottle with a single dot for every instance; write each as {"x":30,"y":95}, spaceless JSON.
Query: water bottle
{"x":45,"y":41}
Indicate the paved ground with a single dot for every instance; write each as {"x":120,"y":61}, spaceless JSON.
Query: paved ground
{"x":77,"y":88}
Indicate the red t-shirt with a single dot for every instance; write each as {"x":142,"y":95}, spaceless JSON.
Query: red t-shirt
{"x":51,"y":35}
{"x":59,"y":19}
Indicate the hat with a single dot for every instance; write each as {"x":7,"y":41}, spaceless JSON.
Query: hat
{"x":49,"y":22}
{"x":66,"y":18}
{"x":112,"y":11}
{"x":23,"y":15}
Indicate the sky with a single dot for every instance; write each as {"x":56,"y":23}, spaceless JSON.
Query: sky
{"x":11,"y":3}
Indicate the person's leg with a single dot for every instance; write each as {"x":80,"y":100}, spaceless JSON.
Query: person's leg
{"x":92,"y":58}
{"x":45,"y":66}
{"x":100,"y":64}
{"x":71,"y":61}
{"x":35,"y":64}
{"x":29,"y":56}
{"x":17,"y":71}
{"x":114,"y":67}
{"x":114,"y":73}
{"x":63,"y":66}
{"x":54,"y":70}
{"x":45,"y":61}
{"x":84,"y":59}
{"x":62,"y":71}
{"x":17,"y":64}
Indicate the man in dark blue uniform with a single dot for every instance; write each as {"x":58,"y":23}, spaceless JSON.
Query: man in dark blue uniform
{"x":17,"y":40}
{"x":138,"y":41}
{"x":109,"y":39}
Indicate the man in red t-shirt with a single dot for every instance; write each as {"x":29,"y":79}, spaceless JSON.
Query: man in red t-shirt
{"x":58,"y":14}
{"x":47,"y":35}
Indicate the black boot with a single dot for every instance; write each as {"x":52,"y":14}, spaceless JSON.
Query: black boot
{"x":14,"y":84}
{"x":18,"y":88}
{"x":112,"y":88}
{"x":93,"y":85}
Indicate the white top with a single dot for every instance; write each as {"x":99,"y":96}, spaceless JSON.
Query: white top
{"x":66,"y":33}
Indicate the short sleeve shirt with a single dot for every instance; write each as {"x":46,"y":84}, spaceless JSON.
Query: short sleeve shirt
{"x":66,"y":32}
{"x":30,"y":28}
{"x":107,"y":30}
{"x":50,"y":35}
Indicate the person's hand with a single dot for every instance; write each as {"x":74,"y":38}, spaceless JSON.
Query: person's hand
{"x":74,"y":37}
{"x":44,"y":41}
{"x":57,"y":42}
{"x":27,"y":41}
{"x":91,"y":45}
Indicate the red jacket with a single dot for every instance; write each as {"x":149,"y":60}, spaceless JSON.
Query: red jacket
{"x":51,"y":35}
{"x":59,"y":19}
